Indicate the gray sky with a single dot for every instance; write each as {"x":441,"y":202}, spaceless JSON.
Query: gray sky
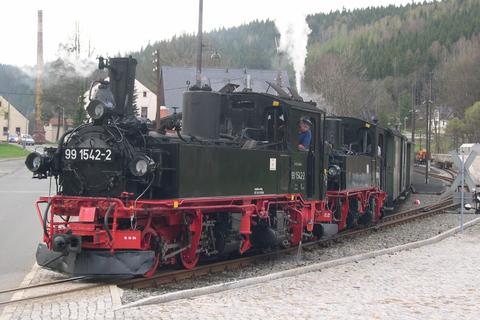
{"x":120,"y":26}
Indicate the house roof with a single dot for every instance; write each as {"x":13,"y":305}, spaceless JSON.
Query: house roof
{"x":139,"y":87}
{"x":10,"y":105}
{"x":177,"y":80}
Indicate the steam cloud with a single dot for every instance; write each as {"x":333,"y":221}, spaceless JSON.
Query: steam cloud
{"x":78,"y":66}
{"x":294,"y":32}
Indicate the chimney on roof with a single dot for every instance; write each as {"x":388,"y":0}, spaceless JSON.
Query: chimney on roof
{"x":39,"y":131}
{"x":198,"y":76}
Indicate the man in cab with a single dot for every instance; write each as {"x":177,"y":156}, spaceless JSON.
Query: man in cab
{"x":304,"y":134}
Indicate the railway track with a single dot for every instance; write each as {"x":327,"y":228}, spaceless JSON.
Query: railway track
{"x":49,"y":294}
{"x":451,"y":172}
{"x":166,"y":277}
{"x":450,"y":178}
{"x":171,"y":276}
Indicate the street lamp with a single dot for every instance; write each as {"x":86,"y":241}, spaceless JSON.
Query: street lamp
{"x":157,"y":69}
{"x":62,"y":119}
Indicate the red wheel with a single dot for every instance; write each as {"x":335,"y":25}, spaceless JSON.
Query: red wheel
{"x":189,"y":257}
{"x":189,"y":261}
{"x":149,"y":242}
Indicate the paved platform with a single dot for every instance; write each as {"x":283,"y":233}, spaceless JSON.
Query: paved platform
{"x":435,"y":186}
{"x":434,"y":282}
{"x":439,"y":281}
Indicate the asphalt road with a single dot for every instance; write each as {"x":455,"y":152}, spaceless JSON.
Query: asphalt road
{"x":20,"y":229}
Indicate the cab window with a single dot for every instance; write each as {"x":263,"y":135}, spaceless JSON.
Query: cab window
{"x":275,"y":125}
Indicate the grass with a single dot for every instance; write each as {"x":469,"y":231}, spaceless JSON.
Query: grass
{"x":12,"y":151}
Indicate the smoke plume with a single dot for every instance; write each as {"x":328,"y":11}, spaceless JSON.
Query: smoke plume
{"x":294,"y":32}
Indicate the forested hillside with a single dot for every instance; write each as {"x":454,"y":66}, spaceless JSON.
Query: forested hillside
{"x":362,"y":62}
{"x":251,"y":45}
{"x":17,"y":87}
{"x":365,"y":62}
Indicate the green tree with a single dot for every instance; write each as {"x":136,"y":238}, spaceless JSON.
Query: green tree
{"x":79,"y":114}
{"x":456,"y":129}
{"x":472,"y":119}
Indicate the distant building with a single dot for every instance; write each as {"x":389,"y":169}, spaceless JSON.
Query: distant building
{"x":440,"y":117}
{"x":12,"y":121}
{"x":176,"y":80}
{"x":146,"y":101}
{"x":52,"y":128}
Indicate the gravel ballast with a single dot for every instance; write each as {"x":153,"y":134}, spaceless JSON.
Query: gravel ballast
{"x":386,"y":238}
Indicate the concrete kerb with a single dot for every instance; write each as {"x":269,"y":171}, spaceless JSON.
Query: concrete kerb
{"x":191,"y":293}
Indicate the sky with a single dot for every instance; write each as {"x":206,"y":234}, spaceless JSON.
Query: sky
{"x":117,"y":26}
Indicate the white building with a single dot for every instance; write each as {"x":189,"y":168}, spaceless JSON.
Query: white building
{"x":437,"y":122}
{"x":146,"y":101}
{"x":53,"y":127}
{"x":12,"y":121}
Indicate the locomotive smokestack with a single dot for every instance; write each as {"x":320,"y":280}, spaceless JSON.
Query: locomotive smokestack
{"x":39,"y":131}
{"x":198,"y":77}
{"x":122,"y":82}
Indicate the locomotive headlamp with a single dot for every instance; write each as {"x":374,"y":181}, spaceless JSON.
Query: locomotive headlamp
{"x":97,"y":109}
{"x":333,"y":170}
{"x":141,"y":165}
{"x":36,"y":163}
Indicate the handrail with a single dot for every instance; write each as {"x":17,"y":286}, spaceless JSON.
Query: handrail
{"x":105,"y":220}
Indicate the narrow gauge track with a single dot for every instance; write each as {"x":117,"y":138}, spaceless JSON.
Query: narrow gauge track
{"x":43,"y":284}
{"x":452,"y":174}
{"x":165,"y":277}
{"x":48,"y":284}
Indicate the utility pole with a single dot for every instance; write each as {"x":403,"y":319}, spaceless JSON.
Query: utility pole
{"x":437,"y":123}
{"x":198,"y":77}
{"x":413,"y":115}
{"x":279,"y":79}
{"x":58,"y":122}
{"x":160,"y":92}
{"x":462,"y":191}
{"x":428,"y":127}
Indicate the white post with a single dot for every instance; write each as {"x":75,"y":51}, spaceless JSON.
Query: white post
{"x":462,"y":191}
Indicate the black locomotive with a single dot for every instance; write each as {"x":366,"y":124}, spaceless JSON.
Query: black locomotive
{"x":230,"y":176}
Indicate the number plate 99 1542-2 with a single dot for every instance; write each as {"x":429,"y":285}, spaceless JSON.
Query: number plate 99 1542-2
{"x":88,"y":154}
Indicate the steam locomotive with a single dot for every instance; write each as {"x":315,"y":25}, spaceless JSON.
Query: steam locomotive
{"x":224,"y":178}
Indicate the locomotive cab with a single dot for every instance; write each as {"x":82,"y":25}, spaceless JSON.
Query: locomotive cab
{"x":354,"y":157}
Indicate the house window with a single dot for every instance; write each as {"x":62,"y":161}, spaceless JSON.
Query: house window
{"x":144,"y":94}
{"x":143,"y":113}
{"x":6,"y":115}
{"x":17,"y":130}
{"x":5,"y":131}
